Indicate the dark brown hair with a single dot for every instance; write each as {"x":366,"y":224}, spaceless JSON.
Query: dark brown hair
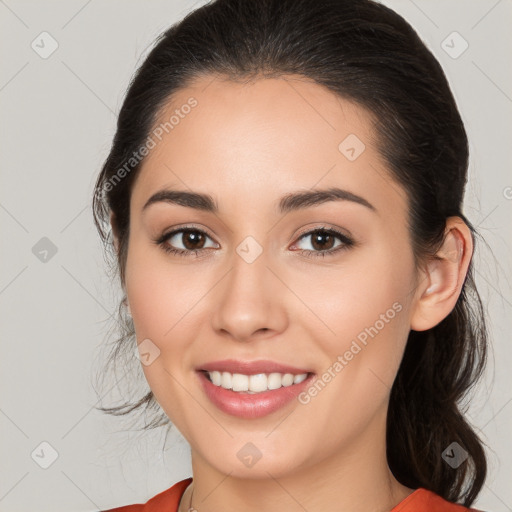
{"x":366,"y":53}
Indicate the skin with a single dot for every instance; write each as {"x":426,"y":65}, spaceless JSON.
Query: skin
{"x":247,"y":145}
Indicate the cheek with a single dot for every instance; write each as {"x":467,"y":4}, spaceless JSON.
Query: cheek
{"x":159,"y":294}
{"x":366,"y":310}
{"x":162,"y":299}
{"x":367,"y":314}
{"x":366,"y":290}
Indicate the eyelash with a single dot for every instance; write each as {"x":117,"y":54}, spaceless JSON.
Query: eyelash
{"x":346,"y":242}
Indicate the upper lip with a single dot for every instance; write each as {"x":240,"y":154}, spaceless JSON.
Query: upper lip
{"x":250,"y":367}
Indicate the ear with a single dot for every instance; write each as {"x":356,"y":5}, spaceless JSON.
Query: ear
{"x":443,"y":277}
{"x":115,"y":231}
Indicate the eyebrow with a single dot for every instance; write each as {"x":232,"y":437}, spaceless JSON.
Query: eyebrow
{"x":290,"y":202}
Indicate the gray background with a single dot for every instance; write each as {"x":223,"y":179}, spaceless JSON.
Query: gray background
{"x":58,"y":118}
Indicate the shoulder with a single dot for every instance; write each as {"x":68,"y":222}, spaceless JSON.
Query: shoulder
{"x":423,"y":500}
{"x":166,"y":501}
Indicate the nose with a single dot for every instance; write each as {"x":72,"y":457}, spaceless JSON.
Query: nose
{"x":250,"y":301}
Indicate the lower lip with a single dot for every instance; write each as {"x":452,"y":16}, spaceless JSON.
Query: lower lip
{"x":247,"y":405}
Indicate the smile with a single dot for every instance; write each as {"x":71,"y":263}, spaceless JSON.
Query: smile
{"x":252,"y":396}
{"x":257,"y":383}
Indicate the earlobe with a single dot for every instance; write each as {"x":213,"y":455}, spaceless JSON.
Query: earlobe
{"x":444,"y":277}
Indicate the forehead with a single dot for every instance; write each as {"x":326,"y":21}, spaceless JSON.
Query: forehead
{"x":252,"y":142}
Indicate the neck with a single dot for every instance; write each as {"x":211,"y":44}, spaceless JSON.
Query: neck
{"x":355,"y":479}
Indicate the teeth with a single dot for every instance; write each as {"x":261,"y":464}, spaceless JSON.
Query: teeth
{"x":216,"y":378}
{"x":240,"y":382}
{"x":254,"y":383}
{"x":274,"y":381}
{"x":299,"y":378}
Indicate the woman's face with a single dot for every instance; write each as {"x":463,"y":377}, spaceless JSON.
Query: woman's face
{"x":264,"y":283}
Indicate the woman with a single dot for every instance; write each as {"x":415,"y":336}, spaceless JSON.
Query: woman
{"x":284,"y":193}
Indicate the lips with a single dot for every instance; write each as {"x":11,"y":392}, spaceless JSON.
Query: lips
{"x":244,"y":404}
{"x":251,"y":367}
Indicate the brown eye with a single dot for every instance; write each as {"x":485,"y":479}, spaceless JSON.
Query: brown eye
{"x":323,"y":242}
{"x":193,"y":239}
{"x":185,"y":241}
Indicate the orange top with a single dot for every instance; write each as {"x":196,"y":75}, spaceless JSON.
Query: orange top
{"x":421,"y":500}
